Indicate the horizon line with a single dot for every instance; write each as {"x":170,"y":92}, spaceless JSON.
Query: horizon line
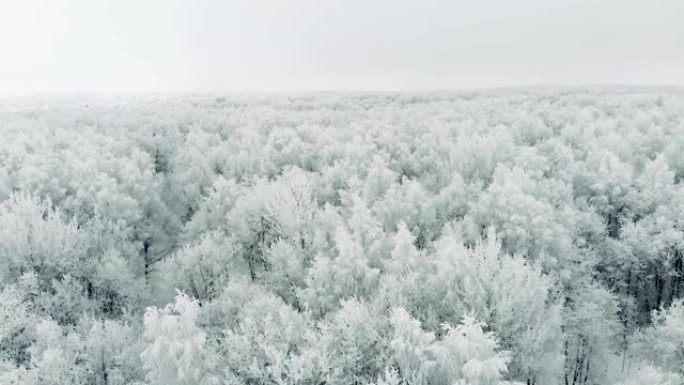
{"x":343,"y":91}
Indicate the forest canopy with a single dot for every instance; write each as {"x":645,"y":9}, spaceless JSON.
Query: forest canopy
{"x":475,"y":238}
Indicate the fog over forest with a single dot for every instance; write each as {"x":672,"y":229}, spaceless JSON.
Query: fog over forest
{"x":519,"y":236}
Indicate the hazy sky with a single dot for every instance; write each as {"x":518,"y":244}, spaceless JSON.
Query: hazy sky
{"x":275,"y":45}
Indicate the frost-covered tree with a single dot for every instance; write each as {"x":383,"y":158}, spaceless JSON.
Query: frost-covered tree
{"x":662,"y":343}
{"x":353,"y":340}
{"x":34,"y":237}
{"x":465,"y":355}
{"x":648,"y":374}
{"x":201,"y":269}
{"x":112,"y":350}
{"x":17,"y":325}
{"x":271,"y":343}
{"x":343,"y":276}
{"x":175,"y":345}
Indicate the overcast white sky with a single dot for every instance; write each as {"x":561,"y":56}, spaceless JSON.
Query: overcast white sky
{"x":276,"y":45}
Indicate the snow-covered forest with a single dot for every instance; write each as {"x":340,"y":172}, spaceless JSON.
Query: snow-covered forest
{"x":503,"y":237}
